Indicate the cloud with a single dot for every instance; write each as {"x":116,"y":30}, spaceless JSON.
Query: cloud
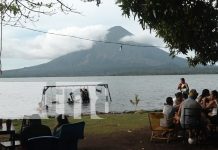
{"x":145,"y":38}
{"x":47,"y":46}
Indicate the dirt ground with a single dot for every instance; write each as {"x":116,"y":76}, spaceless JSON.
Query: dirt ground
{"x":139,"y":140}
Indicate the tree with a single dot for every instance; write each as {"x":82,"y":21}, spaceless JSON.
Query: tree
{"x":21,"y":11}
{"x":185,"y":25}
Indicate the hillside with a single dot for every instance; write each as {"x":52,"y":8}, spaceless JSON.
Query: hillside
{"x":107,"y":59}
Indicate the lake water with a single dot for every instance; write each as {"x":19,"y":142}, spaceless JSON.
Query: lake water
{"x":21,"y":95}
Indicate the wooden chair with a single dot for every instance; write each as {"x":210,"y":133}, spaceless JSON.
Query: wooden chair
{"x":157,"y":131}
{"x":12,"y":143}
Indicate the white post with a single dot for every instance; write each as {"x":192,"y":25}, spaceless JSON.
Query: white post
{"x":93,"y":100}
{"x":106,"y":101}
{"x":1,"y":41}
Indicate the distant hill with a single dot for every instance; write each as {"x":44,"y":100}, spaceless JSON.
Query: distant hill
{"x":106,"y":59}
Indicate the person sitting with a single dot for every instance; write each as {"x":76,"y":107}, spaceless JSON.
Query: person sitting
{"x":35,"y":129}
{"x":185,"y":95}
{"x":61,"y":120}
{"x":204,"y":97}
{"x":212,"y":106}
{"x":190,"y":103}
{"x":169,"y":112}
{"x":178,"y":100}
{"x":192,"y":117}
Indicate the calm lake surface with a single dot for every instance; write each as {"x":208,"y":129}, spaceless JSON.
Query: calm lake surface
{"x":19,"y":96}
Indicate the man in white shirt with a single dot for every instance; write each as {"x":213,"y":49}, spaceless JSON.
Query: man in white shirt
{"x":169,"y":112}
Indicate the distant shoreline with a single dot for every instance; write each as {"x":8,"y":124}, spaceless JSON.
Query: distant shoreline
{"x":116,"y":113}
{"x":2,"y":77}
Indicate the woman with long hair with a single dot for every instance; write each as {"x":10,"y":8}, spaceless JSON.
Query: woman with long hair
{"x":212,"y":105}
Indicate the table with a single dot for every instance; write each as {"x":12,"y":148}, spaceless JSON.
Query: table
{"x":11,"y":132}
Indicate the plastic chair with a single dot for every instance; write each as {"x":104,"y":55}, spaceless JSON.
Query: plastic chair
{"x":70,"y":134}
{"x":192,"y":122}
{"x":157,"y":130}
{"x":43,"y":143}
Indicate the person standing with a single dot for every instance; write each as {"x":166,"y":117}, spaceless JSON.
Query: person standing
{"x":183,"y":87}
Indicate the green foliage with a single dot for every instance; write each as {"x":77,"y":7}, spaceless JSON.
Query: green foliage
{"x":19,"y":11}
{"x":135,"y":101}
{"x":185,"y":25}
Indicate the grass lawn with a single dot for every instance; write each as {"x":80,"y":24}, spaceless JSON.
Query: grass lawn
{"x":114,"y":131}
{"x":128,"y":131}
{"x":111,"y":123}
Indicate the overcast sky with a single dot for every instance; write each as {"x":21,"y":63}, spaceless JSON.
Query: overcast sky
{"x":23,"y":48}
